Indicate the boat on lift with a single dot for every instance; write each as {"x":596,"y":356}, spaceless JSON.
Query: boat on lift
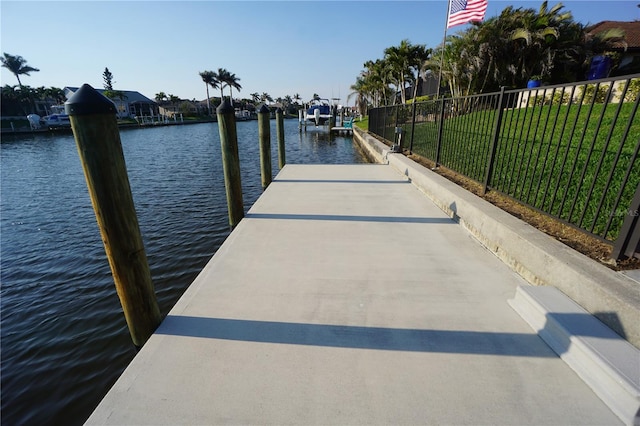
{"x":57,"y":119}
{"x":318,"y":111}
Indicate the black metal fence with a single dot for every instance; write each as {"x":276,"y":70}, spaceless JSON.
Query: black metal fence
{"x":570,"y":151}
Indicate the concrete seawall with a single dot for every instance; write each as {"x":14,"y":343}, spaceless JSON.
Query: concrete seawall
{"x":610,"y":296}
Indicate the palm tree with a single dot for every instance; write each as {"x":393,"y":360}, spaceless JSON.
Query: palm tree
{"x":14,"y":99}
{"x":232,"y":82}
{"x":265,"y":97}
{"x":56,"y":94}
{"x":17,"y":65}
{"x":539,"y":39}
{"x":399,"y":58}
{"x":419,"y":64}
{"x":221,"y":77}
{"x":376,"y":76}
{"x":161,"y":96}
{"x":209,"y":78}
{"x":360,"y":90}
{"x":297,"y":98}
{"x":288,"y":100}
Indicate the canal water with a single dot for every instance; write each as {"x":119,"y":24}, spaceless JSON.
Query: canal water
{"x":63,"y":334}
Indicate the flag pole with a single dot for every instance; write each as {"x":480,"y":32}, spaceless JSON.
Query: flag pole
{"x":444,"y":39}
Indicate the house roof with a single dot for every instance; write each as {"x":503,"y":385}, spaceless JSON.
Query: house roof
{"x":131,"y":96}
{"x":631,"y":31}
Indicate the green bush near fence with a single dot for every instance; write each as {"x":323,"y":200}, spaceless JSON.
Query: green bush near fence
{"x":633,"y":91}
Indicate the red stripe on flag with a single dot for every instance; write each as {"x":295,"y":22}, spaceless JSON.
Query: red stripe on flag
{"x":474,"y":11}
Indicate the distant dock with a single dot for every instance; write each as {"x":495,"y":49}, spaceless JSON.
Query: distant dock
{"x":342,"y":130}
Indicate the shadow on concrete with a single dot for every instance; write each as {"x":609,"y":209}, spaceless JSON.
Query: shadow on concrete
{"x":612,"y":320}
{"x":342,"y":336}
{"x":348,"y":218}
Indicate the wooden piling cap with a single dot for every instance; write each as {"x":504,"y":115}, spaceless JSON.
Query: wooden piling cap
{"x":264,"y":109}
{"x":225,"y":107}
{"x":88,"y":100}
{"x":279,"y":110}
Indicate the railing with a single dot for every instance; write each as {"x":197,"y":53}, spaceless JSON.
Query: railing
{"x":569,"y":151}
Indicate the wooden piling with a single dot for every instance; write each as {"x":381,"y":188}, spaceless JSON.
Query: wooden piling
{"x":280,"y":133}
{"x":95,"y":129}
{"x":264,"y":136}
{"x":300,"y":118}
{"x":230,"y":161}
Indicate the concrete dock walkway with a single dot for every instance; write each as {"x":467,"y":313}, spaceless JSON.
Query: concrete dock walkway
{"x":344,"y":297}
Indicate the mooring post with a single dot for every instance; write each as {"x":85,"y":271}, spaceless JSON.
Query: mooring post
{"x":264,"y":135}
{"x":230,"y":161}
{"x":95,"y":129}
{"x":280,"y":132}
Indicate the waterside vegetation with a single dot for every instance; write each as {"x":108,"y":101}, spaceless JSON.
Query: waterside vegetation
{"x":506,"y":50}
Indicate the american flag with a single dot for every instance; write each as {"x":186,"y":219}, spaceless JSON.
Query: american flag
{"x":463,"y":11}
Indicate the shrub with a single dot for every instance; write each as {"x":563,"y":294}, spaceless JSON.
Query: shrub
{"x":633,"y":91}
{"x":560,"y":98}
{"x":588,"y":93}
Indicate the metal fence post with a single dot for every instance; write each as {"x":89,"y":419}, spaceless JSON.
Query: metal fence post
{"x":628,"y":241}
{"x":494,"y":141}
{"x":440,"y":133}
{"x":384,"y":122}
{"x":413,"y":125}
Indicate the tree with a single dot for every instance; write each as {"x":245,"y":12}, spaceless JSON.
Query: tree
{"x":607,"y":42}
{"x":288,"y":100}
{"x":17,"y":65}
{"x":537,"y":39}
{"x":232,"y":82}
{"x":107,"y":77}
{"x":372,"y":86}
{"x":160,"y":97}
{"x":221,"y":77}
{"x":398,"y":57}
{"x":209,"y":78}
{"x":14,"y":99}
{"x":265,"y":97}
{"x":418,"y":65}
{"x":115,"y":94}
{"x":56,"y":94}
{"x":360,"y":90}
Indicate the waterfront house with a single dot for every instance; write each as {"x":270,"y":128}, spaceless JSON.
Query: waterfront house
{"x":131,"y":104}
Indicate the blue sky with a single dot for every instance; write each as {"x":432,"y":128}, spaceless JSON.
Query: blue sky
{"x":278,"y":47}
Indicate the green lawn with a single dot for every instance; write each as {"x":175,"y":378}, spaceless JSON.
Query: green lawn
{"x":549,"y":157}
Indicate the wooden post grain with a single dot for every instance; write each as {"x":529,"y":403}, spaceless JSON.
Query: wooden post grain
{"x":95,"y":129}
{"x":264,"y":135}
{"x":280,"y":132}
{"x":230,"y":161}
